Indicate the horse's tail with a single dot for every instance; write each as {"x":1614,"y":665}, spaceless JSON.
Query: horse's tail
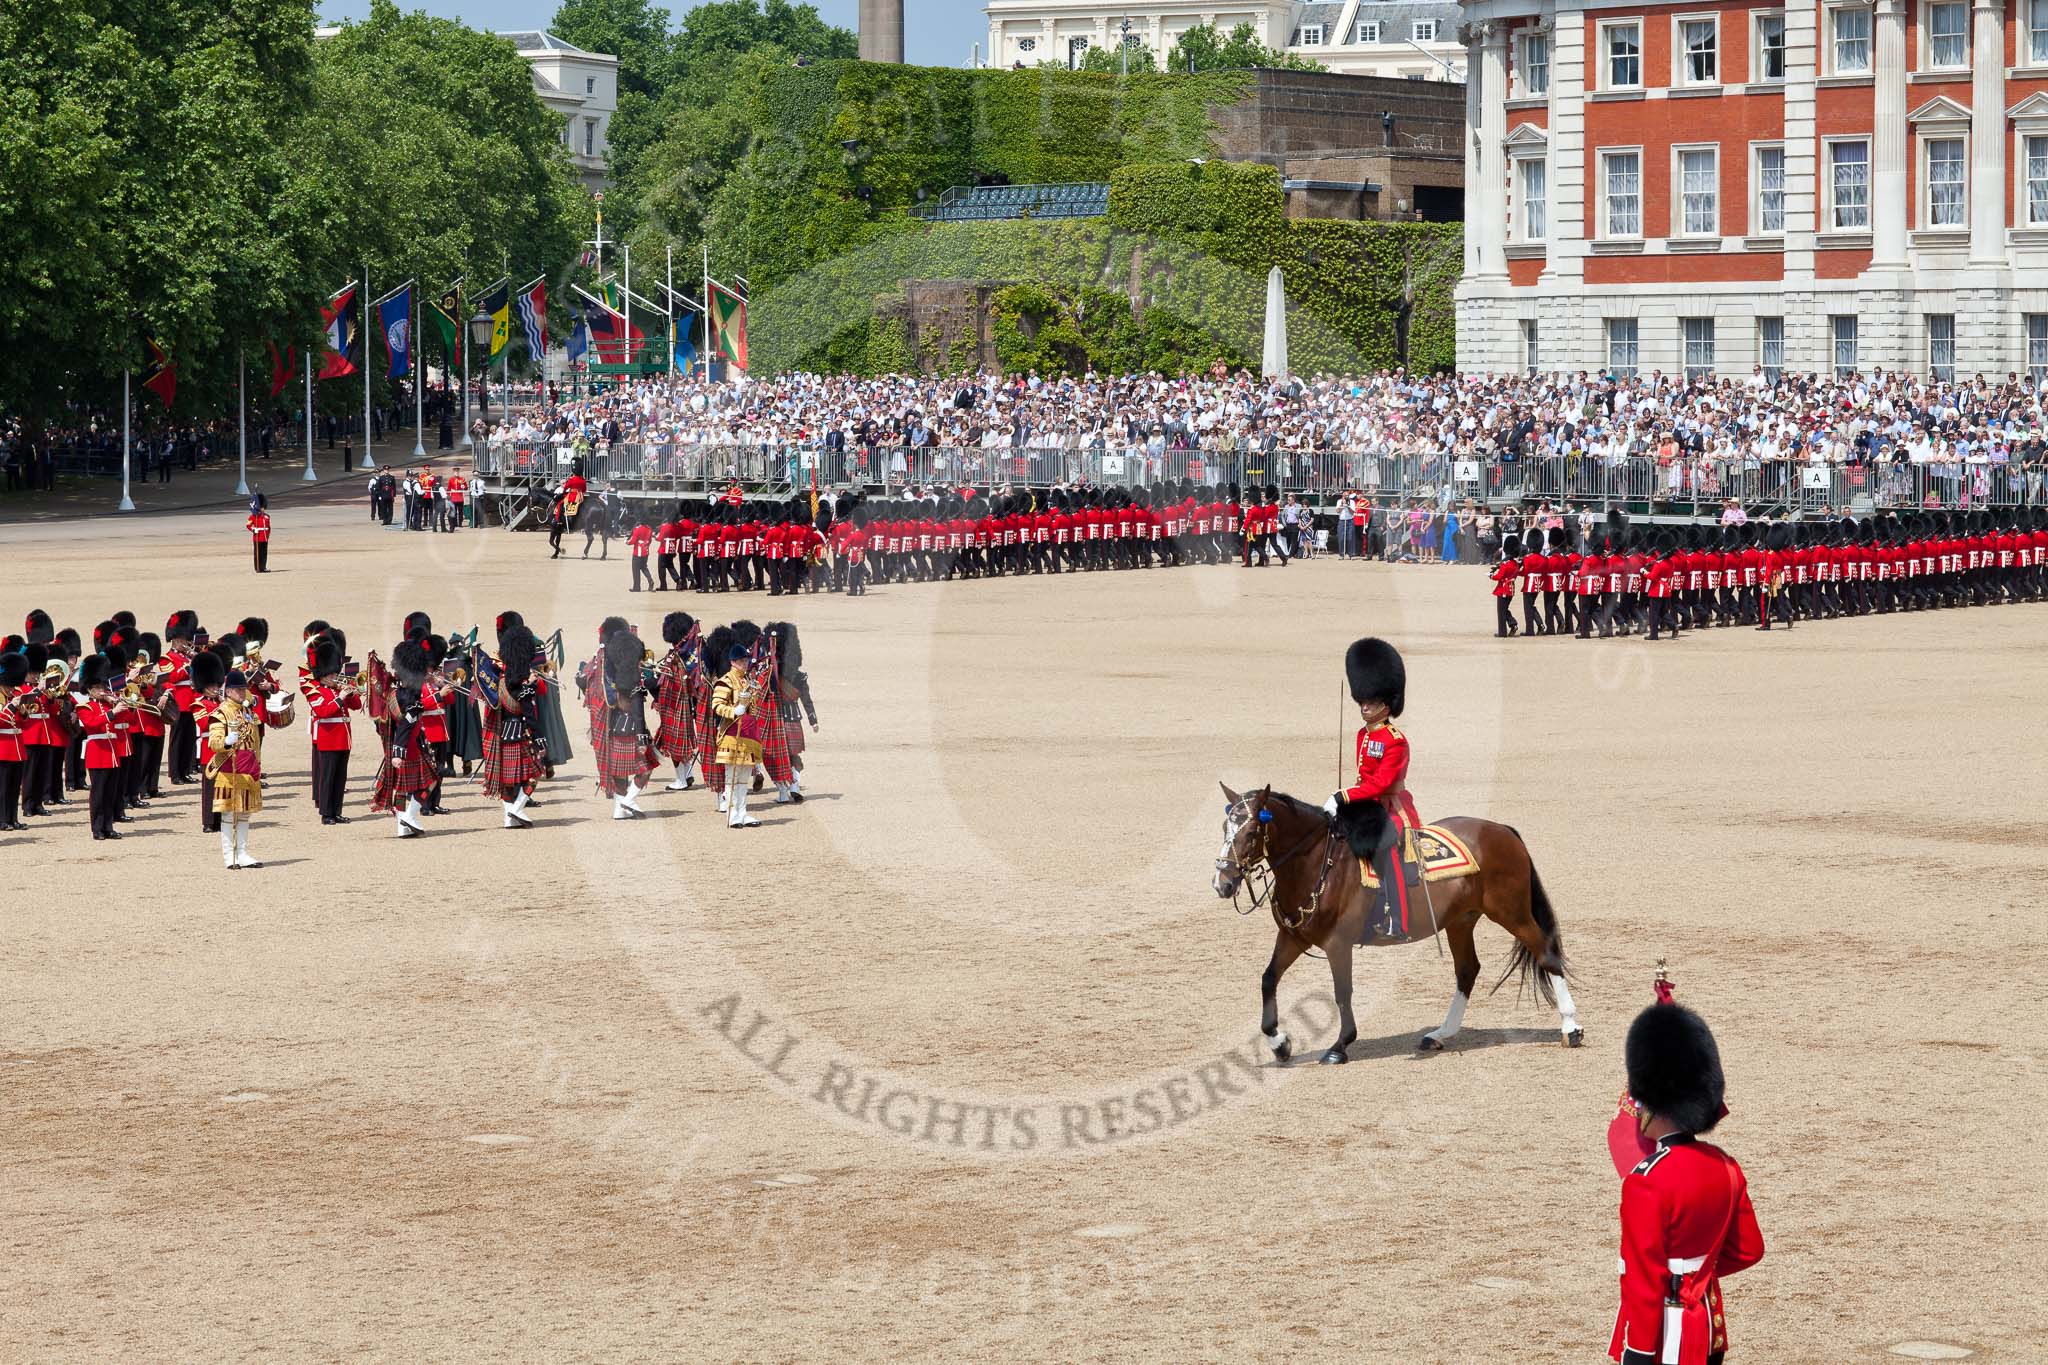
{"x":1536,"y":970}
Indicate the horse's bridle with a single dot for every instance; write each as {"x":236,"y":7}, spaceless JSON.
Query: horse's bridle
{"x":1258,"y":875}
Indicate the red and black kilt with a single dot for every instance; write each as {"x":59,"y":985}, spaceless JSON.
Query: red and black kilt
{"x":795,"y":726}
{"x":622,"y":760}
{"x":775,"y":750}
{"x":707,"y":743}
{"x":410,"y":774}
{"x":508,"y":764}
{"x":676,"y":736}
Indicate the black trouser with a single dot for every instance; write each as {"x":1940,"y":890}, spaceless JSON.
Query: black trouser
{"x":1503,"y":616}
{"x":1530,"y":624}
{"x":856,"y":580}
{"x":149,"y":750}
{"x":262,"y":556}
{"x":1386,"y":864}
{"x":183,"y":747}
{"x":35,"y":778}
{"x":330,"y":781}
{"x":444,"y":763}
{"x":209,"y":823}
{"x":74,"y":763}
{"x":640,"y":572}
{"x":668,"y":572}
{"x":105,"y":802}
{"x":11,"y":774}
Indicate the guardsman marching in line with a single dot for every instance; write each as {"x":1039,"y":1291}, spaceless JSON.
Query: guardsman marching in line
{"x":259,"y":531}
{"x":94,"y":708}
{"x":679,"y":679}
{"x":1686,"y":1219}
{"x":1379,"y":685}
{"x":13,"y":751}
{"x":1504,"y":575}
{"x":328,"y":703}
{"x":181,"y":746}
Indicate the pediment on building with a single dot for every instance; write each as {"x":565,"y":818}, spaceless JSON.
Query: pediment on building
{"x":2034,"y":106}
{"x":1940,"y":109}
{"x":1526,"y":135}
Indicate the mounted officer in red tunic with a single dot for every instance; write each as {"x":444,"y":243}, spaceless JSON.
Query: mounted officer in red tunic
{"x":1379,"y":684}
{"x":1686,"y":1220}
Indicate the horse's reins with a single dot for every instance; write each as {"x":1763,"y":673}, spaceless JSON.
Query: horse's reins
{"x":1289,"y":919}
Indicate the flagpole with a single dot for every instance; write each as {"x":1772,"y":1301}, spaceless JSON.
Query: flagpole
{"x":628,"y":301}
{"x":670,"y":300}
{"x":710,"y":347}
{"x":462,"y":348}
{"x":127,"y":444}
{"x":369,"y":460}
{"x":309,"y":476}
{"x":242,"y":405}
{"x":418,"y":364}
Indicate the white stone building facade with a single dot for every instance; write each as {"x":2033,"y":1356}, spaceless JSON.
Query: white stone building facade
{"x":1412,"y":39}
{"x":583,"y":89}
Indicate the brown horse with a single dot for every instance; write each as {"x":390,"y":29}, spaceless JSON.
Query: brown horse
{"x":1311,"y":882}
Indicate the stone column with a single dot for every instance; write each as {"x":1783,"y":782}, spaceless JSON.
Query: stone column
{"x":1567,"y":145}
{"x":1889,"y":164}
{"x":1470,"y":36}
{"x":1490,"y":204}
{"x":1987,"y":134}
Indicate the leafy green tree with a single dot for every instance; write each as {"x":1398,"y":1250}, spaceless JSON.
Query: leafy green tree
{"x":1203,"y":48}
{"x":1109,"y":58}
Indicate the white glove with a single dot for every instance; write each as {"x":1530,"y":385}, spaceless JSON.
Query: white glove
{"x":1330,"y":807}
{"x":738,"y":711}
{"x":232,"y":736}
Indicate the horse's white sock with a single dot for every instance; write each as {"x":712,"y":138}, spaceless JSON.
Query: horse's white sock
{"x":1567,"y":1012}
{"x":1454,"y":1020}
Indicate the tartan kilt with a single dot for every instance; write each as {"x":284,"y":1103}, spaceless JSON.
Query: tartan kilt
{"x":507,"y":763}
{"x":707,"y":733}
{"x":794,"y":725}
{"x":408,"y":774}
{"x":676,"y":736}
{"x":775,"y":749}
{"x":622,"y":759}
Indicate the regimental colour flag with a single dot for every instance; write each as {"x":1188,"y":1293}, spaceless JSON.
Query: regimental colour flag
{"x":394,"y":317}
{"x":282,"y":365}
{"x":443,"y":313}
{"x":497,"y":301}
{"x":533,"y":317}
{"x":729,"y":324}
{"x":160,"y":374}
{"x":339,"y":319}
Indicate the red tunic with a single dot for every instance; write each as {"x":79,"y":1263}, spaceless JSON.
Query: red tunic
{"x":1685,"y":1214}
{"x":1383,"y":772}
{"x":329,"y":710}
{"x":1504,"y":574}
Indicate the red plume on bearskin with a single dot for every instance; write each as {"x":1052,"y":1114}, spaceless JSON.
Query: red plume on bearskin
{"x":254,"y":629}
{"x":417,"y":623}
{"x":38,"y":627}
{"x":181,"y":625}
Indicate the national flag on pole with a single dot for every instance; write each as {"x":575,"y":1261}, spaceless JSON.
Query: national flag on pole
{"x":579,"y":340}
{"x":533,"y":316}
{"x":159,"y":375}
{"x":728,"y":324}
{"x":608,"y":334}
{"x":497,"y":301}
{"x":341,"y":322}
{"x":394,"y":317}
{"x":446,"y":313}
{"x":283,"y":365}
{"x":684,"y":339}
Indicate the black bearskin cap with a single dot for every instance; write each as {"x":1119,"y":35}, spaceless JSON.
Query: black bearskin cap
{"x":232,"y":646}
{"x":254,"y":628}
{"x":181,"y":625}
{"x":1674,"y":1068}
{"x":622,"y":655}
{"x":675,"y":626}
{"x":125,"y":618}
{"x":208,"y":671}
{"x":1511,"y":547}
{"x":38,"y":656}
{"x":746,"y":634}
{"x":437,"y":649}
{"x":93,"y":670}
{"x":13,"y":670}
{"x":517,"y":649}
{"x":1377,"y":674}
{"x":117,"y":659}
{"x":37,"y":627}
{"x":610,"y":626}
{"x":1557,"y":539}
{"x":316,"y":626}
{"x":67,"y":640}
{"x":718,"y":649}
{"x":416,"y":623}
{"x":102,"y":633}
{"x":789,"y":652}
{"x":150,"y":645}
{"x":506,"y":623}
{"x":325,"y":657}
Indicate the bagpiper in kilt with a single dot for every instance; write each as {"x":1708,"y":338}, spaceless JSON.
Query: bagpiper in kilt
{"x":679,"y":689}
{"x":409,"y":768}
{"x":625,"y":754}
{"x":507,"y":694}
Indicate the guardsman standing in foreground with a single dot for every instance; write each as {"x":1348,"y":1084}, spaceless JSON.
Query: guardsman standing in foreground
{"x":1379,"y":684}
{"x":1686,"y":1220}
{"x":259,"y":531}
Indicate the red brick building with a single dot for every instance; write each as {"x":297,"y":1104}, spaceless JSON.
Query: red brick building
{"x":1710,"y":187}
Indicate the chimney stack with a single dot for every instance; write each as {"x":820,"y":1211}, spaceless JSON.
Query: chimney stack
{"x":881,"y":31}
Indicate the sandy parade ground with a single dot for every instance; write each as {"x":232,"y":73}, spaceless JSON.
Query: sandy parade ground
{"x":957,"y":1060}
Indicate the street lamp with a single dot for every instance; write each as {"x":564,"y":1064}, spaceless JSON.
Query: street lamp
{"x":480,"y":329}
